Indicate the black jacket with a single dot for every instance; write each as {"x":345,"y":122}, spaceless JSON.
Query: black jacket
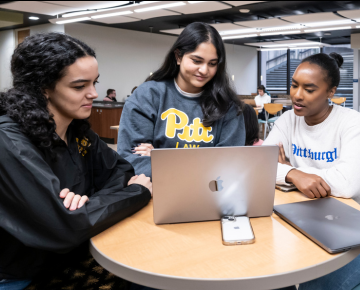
{"x":36,"y":230}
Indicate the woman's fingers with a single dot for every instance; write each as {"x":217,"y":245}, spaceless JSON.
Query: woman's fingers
{"x":316,"y":192}
{"x":143,"y":149}
{"x":308,"y":193}
{"x":84,"y":199}
{"x":132,"y":179}
{"x":75,"y":202}
{"x":326,"y":187}
{"x":68,"y":199}
{"x":64,"y":192}
{"x":142,"y":152}
{"x":322,"y":191}
{"x":147,"y":145}
{"x":282,"y":157}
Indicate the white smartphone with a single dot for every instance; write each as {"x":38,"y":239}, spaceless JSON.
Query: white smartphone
{"x":236,"y":230}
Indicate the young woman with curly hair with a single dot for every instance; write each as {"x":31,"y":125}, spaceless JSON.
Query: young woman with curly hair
{"x":60,"y":184}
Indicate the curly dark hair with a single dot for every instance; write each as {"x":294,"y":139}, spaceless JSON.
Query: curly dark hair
{"x":38,"y":63}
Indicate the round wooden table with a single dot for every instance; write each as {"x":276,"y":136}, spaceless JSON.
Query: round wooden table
{"x":191,"y":255}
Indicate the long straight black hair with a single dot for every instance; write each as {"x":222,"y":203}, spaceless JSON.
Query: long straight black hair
{"x":218,"y":95}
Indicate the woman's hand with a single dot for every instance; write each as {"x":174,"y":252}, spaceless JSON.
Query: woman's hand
{"x":73,"y":201}
{"x":143,"y":149}
{"x":313,"y":186}
{"x":142,"y":180}
{"x":282,"y":156}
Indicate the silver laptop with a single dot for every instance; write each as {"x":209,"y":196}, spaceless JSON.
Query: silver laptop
{"x":331,"y":224}
{"x":201,"y":184}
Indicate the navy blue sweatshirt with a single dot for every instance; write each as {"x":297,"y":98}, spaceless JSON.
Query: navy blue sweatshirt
{"x":159,"y":114}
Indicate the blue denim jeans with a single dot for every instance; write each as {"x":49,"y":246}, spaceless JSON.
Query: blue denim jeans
{"x":346,"y":278}
{"x":13,"y":284}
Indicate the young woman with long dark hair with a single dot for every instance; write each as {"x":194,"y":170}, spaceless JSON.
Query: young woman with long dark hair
{"x":187,"y":103}
{"x":60,"y":184}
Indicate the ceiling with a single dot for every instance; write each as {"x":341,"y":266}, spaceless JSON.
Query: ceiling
{"x":263,"y":16}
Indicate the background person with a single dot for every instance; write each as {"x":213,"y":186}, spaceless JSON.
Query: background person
{"x":110,"y":96}
{"x":60,"y":184}
{"x":186,"y":103}
{"x":261,"y":99}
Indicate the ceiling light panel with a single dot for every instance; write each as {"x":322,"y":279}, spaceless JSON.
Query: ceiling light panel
{"x":266,"y":23}
{"x":238,"y":31}
{"x":119,"y":13}
{"x":351,"y":14}
{"x":116,"y":19}
{"x":37,"y":7}
{"x":88,"y":4}
{"x":239,"y":36}
{"x":280,"y":32}
{"x":161,"y":6}
{"x":62,"y":21}
{"x":241,"y":3}
{"x":287,"y":43}
{"x":117,"y":16}
{"x":327,"y":29}
{"x":206,"y":6}
{"x":154,"y":13}
{"x":316,"y":19}
{"x":77,"y":13}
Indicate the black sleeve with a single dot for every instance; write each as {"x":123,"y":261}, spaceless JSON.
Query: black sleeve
{"x":32,"y":211}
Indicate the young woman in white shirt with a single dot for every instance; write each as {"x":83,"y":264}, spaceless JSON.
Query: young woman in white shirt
{"x":319,"y":147}
{"x":319,"y":142}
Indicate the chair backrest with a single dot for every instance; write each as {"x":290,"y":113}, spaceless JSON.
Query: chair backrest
{"x":338,"y":101}
{"x":273,"y":108}
{"x":256,"y":111}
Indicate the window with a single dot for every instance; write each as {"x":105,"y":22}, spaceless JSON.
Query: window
{"x":345,"y":88}
{"x":297,"y":55}
{"x":273,"y":68}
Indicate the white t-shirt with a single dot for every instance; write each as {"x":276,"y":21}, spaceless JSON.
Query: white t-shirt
{"x":330,"y":149}
{"x":261,"y":100}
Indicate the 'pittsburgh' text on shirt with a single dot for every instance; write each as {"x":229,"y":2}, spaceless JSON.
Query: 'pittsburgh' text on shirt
{"x":329,"y":156}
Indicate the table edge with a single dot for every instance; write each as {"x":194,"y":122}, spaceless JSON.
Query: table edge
{"x":163,"y":281}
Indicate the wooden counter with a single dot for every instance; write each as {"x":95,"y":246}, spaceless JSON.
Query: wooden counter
{"x":104,"y":115}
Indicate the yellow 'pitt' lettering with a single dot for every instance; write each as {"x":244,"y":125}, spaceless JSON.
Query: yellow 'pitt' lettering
{"x":195,"y":132}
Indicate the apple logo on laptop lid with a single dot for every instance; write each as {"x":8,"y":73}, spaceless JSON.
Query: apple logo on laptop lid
{"x":330,"y":217}
{"x":216,"y":185}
